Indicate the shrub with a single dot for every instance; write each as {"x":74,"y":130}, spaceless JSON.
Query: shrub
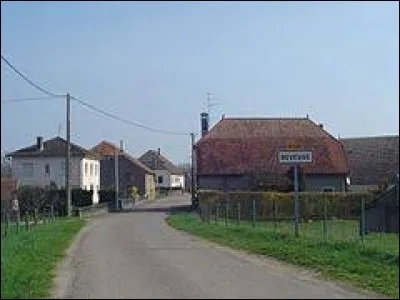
{"x":277,"y":205}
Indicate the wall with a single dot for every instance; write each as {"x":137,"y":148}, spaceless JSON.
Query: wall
{"x":223,"y":182}
{"x":178,"y":181}
{"x":238,"y":182}
{"x":150,"y":186}
{"x":40,"y":178}
{"x":317,"y":182}
{"x":90,"y":176}
{"x":166,"y":178}
{"x":129,"y":175}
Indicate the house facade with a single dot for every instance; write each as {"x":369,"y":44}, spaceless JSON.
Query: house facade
{"x":44,"y":162}
{"x":167,"y":174}
{"x":131,"y":172}
{"x":242,"y":154}
{"x":372,"y":161}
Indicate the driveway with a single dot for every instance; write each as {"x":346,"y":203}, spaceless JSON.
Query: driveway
{"x":136,"y":255}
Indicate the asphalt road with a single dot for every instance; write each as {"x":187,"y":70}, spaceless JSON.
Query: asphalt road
{"x":136,"y":255}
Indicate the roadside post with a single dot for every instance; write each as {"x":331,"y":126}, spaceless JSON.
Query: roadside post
{"x":295,"y":158}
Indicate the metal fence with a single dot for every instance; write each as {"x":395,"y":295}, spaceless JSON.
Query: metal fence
{"x":320,"y":218}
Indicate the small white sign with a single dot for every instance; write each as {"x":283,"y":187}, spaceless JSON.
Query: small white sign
{"x":294,"y":157}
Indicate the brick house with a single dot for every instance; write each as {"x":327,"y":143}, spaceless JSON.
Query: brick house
{"x":372,"y":160}
{"x":131,"y":171}
{"x":242,"y":154}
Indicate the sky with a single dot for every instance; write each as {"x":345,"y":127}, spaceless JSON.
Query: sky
{"x":154,"y":62}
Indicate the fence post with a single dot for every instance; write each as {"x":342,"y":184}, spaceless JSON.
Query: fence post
{"x":209,"y":212}
{"x":35,"y":217}
{"x":52,"y":213}
{"x":238,"y":213}
{"x":274,"y":213}
{"x":362,"y":219}
{"x":8,"y":229}
{"x":325,"y":217}
{"x":254,"y":212}
{"x":226,"y":212}
{"x":26,"y":221}
{"x":216,"y":212}
{"x":17,"y":212}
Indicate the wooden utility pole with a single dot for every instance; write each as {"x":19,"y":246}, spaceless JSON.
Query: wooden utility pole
{"x":116,"y":175}
{"x":192,"y":170}
{"x":68,"y":155}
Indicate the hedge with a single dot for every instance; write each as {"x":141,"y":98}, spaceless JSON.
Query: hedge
{"x":312,"y":205}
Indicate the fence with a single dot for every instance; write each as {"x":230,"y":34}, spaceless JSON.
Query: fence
{"x":322,"y":216}
{"x":13,"y":222}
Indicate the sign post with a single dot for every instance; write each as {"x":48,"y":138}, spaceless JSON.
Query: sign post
{"x":295,"y":158}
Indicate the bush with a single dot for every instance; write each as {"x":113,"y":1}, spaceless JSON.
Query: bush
{"x":280,"y":205}
{"x":31,"y":198}
{"x":107,"y":196}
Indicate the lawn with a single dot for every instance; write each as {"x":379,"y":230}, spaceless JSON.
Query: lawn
{"x":373,"y":265}
{"x":29,"y":259}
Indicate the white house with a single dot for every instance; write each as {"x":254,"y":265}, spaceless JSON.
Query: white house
{"x":167,"y":174}
{"x":44,"y":163}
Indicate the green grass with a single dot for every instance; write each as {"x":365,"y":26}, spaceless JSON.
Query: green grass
{"x":29,"y":259}
{"x":373,"y":265}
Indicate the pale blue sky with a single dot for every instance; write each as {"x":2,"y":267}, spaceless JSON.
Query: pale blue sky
{"x":154,"y":62}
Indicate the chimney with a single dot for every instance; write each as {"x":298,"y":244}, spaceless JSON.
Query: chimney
{"x":159,"y":151}
{"x":223,"y":116}
{"x":321,"y":125}
{"x":204,"y":123}
{"x":121,"y":145}
{"x":39,"y":143}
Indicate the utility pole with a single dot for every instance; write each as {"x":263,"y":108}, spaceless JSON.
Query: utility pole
{"x":116,"y":170}
{"x":68,"y":154}
{"x":192,"y":169}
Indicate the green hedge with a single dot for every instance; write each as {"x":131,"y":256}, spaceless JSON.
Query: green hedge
{"x":313,"y":205}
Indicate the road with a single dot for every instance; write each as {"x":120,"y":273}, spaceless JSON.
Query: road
{"x":136,"y":255}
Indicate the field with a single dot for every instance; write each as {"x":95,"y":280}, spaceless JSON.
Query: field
{"x":371,"y":265}
{"x":29,"y":258}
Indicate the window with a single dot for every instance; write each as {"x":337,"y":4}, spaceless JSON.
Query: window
{"x":160,"y":179}
{"x":27,"y":169}
{"x":177,"y":180}
{"x":47,"y":169}
{"x":91,"y":187}
{"x":95,"y":170}
{"x":91,"y":169}
{"x":86,"y":168}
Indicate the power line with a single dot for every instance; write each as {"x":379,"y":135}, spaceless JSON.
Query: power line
{"x":27,"y":79}
{"x":101,"y":111}
{"x":16,"y":100}
{"x":83,"y":103}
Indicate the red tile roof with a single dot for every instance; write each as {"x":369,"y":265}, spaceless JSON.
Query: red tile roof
{"x":237,"y":146}
{"x":105,"y":148}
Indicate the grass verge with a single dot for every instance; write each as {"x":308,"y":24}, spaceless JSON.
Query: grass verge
{"x":366,"y":267}
{"x":29,"y":259}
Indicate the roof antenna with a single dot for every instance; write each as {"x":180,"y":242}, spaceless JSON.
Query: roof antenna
{"x":59,"y":129}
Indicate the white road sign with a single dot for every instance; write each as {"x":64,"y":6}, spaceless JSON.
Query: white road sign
{"x":295,"y":157}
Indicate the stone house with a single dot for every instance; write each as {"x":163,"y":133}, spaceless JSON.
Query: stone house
{"x":131,"y":171}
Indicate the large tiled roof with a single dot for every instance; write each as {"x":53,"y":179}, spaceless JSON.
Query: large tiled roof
{"x":238,"y":146}
{"x":106,"y":148}
{"x":157,"y":161}
{"x":372,"y":160}
{"x":54,"y":147}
